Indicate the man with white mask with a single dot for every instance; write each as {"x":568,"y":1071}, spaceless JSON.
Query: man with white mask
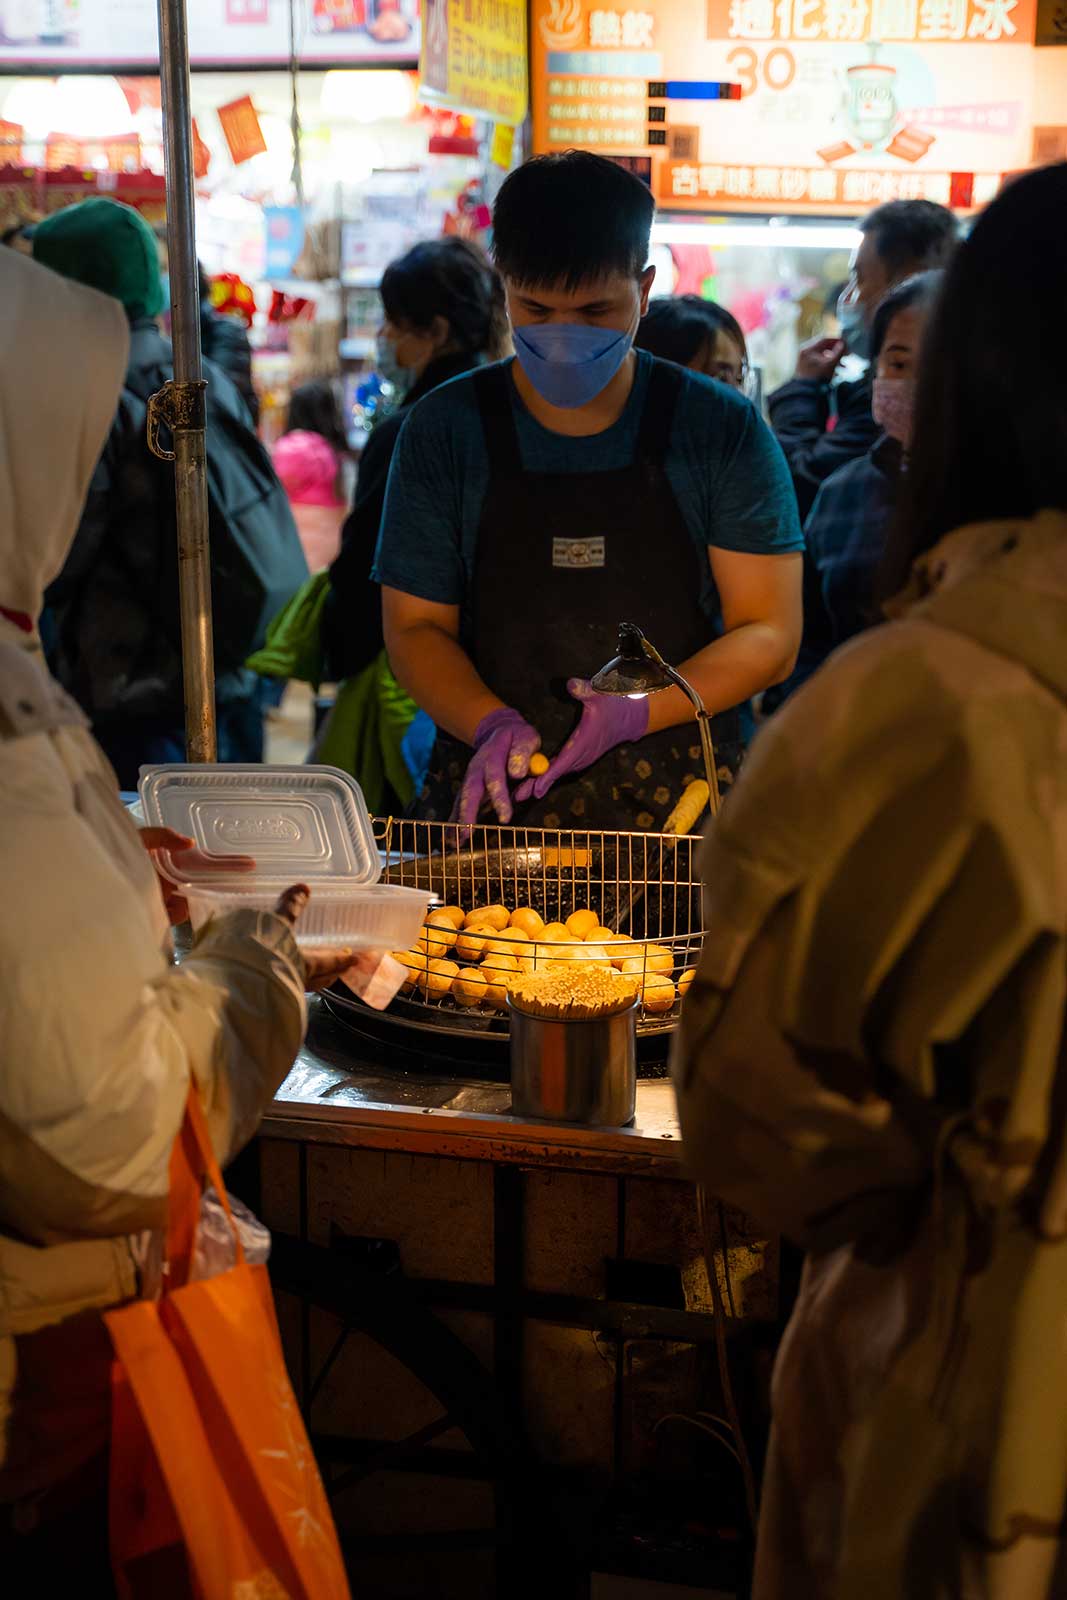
{"x":534,"y":505}
{"x":102,"y":1033}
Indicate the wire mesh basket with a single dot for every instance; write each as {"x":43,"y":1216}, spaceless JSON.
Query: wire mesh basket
{"x":644,"y":890}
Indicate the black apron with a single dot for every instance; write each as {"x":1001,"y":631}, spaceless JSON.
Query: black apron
{"x":562,"y":559}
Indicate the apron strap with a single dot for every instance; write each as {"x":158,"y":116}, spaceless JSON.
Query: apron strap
{"x":657,"y":418}
{"x":492,"y":389}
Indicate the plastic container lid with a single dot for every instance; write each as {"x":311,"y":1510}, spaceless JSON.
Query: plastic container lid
{"x":300,"y":824}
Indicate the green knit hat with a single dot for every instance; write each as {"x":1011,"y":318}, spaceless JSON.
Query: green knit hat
{"x":108,"y":246}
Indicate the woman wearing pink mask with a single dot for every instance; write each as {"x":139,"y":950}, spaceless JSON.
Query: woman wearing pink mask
{"x":846,"y":529}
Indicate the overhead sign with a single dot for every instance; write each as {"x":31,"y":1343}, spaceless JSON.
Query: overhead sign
{"x":121,"y":34}
{"x":474,"y":57}
{"x":842,"y":104}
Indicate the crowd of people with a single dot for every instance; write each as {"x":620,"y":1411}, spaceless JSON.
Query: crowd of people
{"x":871,"y":1057}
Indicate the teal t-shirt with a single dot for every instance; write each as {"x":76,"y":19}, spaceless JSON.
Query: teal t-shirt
{"x":723,"y":463}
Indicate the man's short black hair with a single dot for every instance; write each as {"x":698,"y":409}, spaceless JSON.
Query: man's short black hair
{"x":912,"y":235}
{"x":568,"y":219}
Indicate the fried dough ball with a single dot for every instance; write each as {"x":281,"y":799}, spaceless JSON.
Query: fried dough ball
{"x":437,"y":936}
{"x":685,"y":980}
{"x":530,"y":921}
{"x":512,"y":944}
{"x":555,"y":933}
{"x":601,"y":935}
{"x":499,"y":971}
{"x":488,"y":916}
{"x":624,"y":949}
{"x":455,"y":914}
{"x":657,"y":992}
{"x":571,"y":952}
{"x":471,"y":944}
{"x":581,"y":923}
{"x":415,"y":962}
{"x":469,"y":987}
{"x":437,"y":980}
{"x":642,"y":958}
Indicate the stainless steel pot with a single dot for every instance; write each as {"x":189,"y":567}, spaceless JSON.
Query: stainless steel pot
{"x":575,"y":1071}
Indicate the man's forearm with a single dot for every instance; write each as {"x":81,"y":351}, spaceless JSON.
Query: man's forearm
{"x":440,"y":677}
{"x":740,"y":664}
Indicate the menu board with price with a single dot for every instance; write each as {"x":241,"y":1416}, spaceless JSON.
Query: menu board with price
{"x":122,"y":34}
{"x":841,"y":104}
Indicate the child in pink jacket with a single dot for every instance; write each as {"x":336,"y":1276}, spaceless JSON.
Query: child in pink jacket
{"x":307,"y":459}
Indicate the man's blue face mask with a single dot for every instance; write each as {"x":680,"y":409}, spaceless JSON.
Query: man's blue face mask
{"x":570,"y":363}
{"x":854,"y":329}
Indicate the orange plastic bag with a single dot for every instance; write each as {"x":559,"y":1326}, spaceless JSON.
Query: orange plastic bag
{"x":212,"y":1474}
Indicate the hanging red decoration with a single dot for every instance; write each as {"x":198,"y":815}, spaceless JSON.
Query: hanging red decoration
{"x":231,"y":296}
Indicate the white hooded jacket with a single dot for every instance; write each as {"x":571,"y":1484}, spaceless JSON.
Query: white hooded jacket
{"x":101,"y":1032}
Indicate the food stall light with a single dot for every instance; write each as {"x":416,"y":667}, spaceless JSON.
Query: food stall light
{"x":84,"y":108}
{"x":373,"y":95}
{"x":30,"y":104}
{"x":757,"y":235}
{"x":639,"y":670}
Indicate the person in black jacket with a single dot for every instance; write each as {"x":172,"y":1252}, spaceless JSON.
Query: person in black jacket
{"x":900,"y":239}
{"x":444,"y":314}
{"x":224,"y":341}
{"x":116,"y":640}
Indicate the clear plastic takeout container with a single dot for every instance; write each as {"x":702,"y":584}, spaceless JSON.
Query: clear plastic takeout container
{"x":298,"y":825}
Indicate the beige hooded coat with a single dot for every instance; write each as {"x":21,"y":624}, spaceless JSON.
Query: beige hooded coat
{"x":873,"y":1060}
{"x":101,"y":1033}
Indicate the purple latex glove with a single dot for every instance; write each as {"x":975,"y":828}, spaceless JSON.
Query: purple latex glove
{"x":607,"y":720}
{"x":503,"y":744}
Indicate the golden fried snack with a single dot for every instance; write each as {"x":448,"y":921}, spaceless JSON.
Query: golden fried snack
{"x":437,"y":980}
{"x":685,"y":980}
{"x":501,"y":972}
{"x":657,"y":992}
{"x":500,"y":961}
{"x":513,"y":942}
{"x":623,"y":949}
{"x":415,"y":962}
{"x":602,"y":935}
{"x":575,"y":951}
{"x":469,"y":987}
{"x":471,"y":944}
{"x":455,"y":914}
{"x":687,"y":812}
{"x":580,"y":923}
{"x":488,"y":916}
{"x":437,"y":936}
{"x":530,"y":921}
{"x":538,"y":765}
{"x":555,"y":932}
{"x":643,"y":958}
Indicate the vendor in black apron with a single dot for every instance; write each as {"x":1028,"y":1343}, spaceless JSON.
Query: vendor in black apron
{"x":536,"y":504}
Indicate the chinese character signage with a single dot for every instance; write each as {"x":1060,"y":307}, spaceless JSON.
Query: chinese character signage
{"x":474,"y":57}
{"x":121,"y":34}
{"x":844,"y":103}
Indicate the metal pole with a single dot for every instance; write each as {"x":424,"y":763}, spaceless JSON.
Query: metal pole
{"x":180,"y":405}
